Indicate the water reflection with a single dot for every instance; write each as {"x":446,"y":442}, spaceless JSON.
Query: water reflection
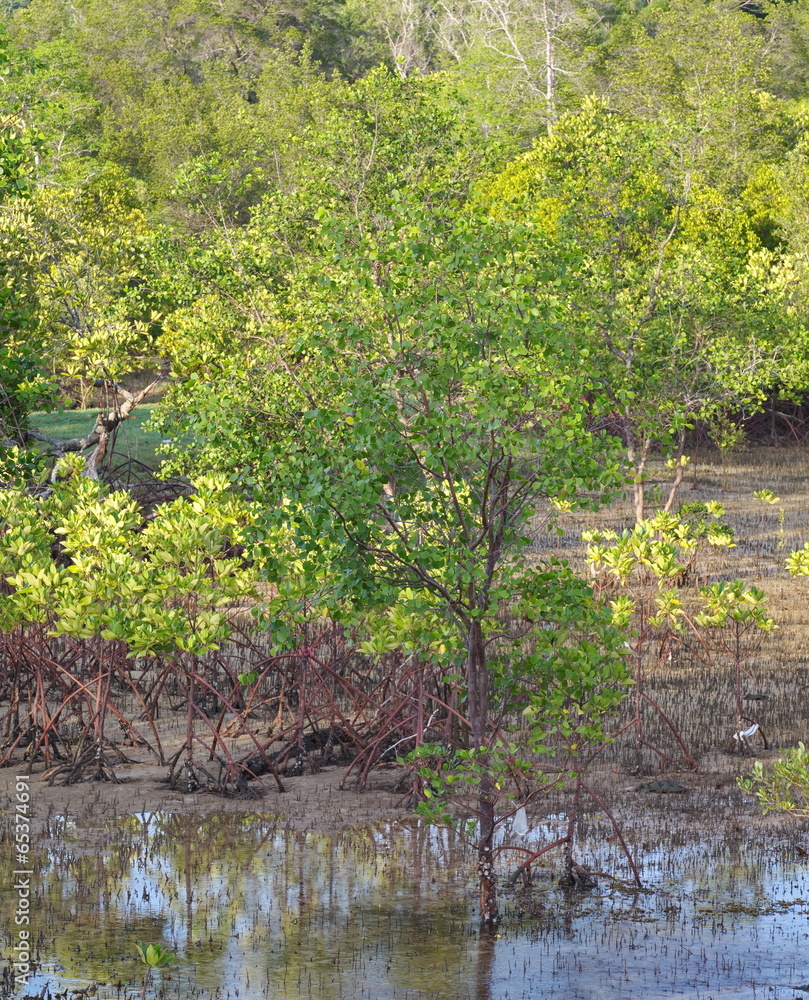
{"x":255,"y":910}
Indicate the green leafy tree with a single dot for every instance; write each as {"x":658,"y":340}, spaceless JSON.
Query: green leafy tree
{"x":90,"y":246}
{"x":514,"y":59}
{"x":78,"y":302}
{"x":701,"y":72}
{"x":417,"y":396}
{"x":238,"y":289}
{"x":167,"y":90}
{"x":638,"y":572}
{"x":87,"y":255}
{"x":22,"y":385}
{"x":683,"y":312}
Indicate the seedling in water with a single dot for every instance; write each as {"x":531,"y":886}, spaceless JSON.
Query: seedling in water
{"x":153,"y":956}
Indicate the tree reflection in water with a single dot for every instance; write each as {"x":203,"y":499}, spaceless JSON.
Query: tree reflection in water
{"x":388,"y":913}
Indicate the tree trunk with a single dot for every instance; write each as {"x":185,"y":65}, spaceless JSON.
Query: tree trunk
{"x":106,"y":423}
{"x":679,"y":471}
{"x":637,"y":461}
{"x":489,"y":912}
{"x":550,"y":68}
{"x":478,"y":682}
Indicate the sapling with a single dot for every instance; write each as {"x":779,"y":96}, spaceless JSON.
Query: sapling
{"x":153,"y":956}
{"x":636,"y":569}
{"x":785,"y":786}
{"x":738,"y":620}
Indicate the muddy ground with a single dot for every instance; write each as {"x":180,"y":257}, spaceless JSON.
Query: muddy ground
{"x":698,"y":698}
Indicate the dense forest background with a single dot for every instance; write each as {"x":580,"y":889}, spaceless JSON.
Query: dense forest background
{"x":174,"y":163}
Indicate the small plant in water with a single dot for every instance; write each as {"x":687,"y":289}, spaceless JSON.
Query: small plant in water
{"x":786,"y":787}
{"x":153,"y":956}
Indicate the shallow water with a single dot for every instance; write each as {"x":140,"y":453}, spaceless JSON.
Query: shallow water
{"x":253,"y":910}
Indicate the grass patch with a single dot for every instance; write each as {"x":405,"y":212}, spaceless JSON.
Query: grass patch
{"x":133,"y":440}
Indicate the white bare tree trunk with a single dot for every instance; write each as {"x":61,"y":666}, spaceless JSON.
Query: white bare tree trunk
{"x":408,"y":28}
{"x":531,"y":38}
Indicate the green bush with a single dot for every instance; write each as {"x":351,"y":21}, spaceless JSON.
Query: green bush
{"x":785,"y":788}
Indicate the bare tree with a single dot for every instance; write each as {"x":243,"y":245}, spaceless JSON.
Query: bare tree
{"x":408,"y":28}
{"x":532,"y":38}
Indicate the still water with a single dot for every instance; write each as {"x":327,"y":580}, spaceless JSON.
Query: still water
{"x":253,"y":910}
